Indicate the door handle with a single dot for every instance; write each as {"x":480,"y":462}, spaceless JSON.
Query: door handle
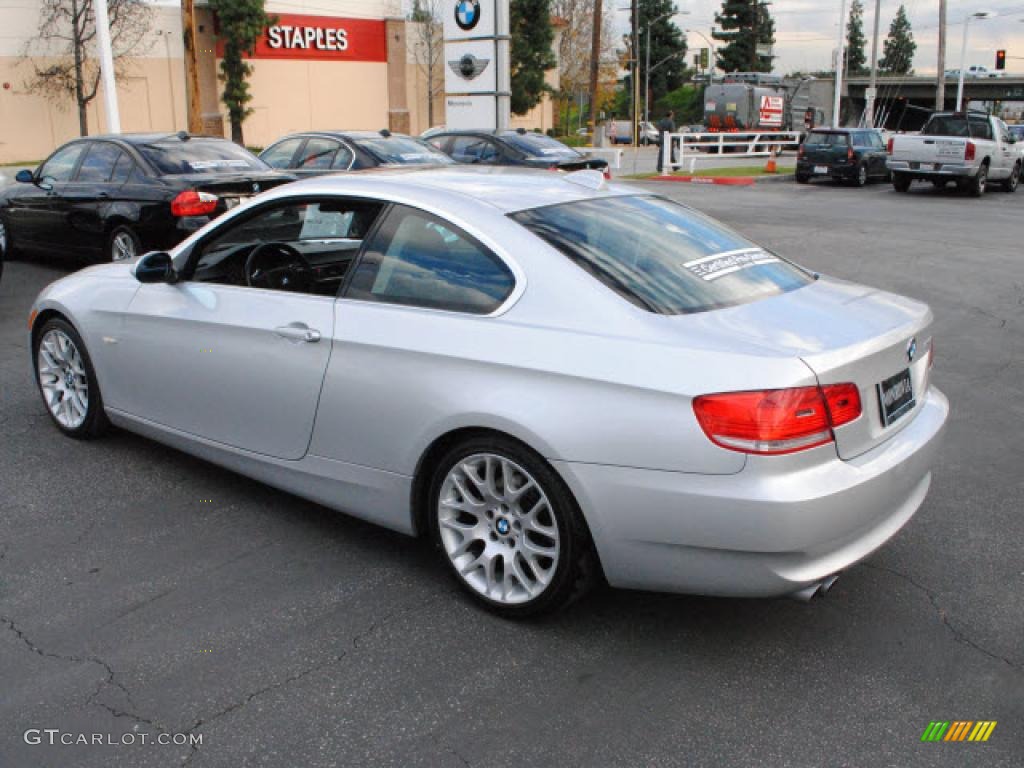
{"x":298,"y":332}
{"x":102,"y":195}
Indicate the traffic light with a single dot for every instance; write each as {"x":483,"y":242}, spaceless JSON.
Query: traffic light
{"x":1001,"y":59}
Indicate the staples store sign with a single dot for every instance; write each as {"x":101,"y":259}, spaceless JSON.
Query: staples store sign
{"x":323,"y":38}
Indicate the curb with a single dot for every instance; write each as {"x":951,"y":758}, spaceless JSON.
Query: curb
{"x":725,"y":181}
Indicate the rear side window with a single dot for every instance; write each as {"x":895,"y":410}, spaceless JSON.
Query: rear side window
{"x":420,"y":260}
{"x":661,"y":256}
{"x":205,"y":156}
{"x":317,"y":155}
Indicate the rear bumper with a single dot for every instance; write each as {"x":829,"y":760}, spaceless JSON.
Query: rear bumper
{"x":755,"y":534}
{"x":835,"y":170}
{"x":951,"y":171}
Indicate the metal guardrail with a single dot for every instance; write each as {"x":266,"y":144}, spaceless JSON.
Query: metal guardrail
{"x":682,"y":147}
{"x":615,"y":154}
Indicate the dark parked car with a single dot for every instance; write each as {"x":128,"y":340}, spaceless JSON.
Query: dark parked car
{"x":113,"y":197}
{"x":519,"y":147}
{"x":320,"y":152}
{"x":1017,"y":132}
{"x":843,"y":154}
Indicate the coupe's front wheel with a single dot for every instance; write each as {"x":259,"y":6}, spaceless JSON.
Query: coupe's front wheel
{"x":67,"y":380}
{"x":509,"y":529}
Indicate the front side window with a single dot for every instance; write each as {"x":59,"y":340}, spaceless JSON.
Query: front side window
{"x":61,"y":164}
{"x":420,"y":260}
{"x":280,"y":155}
{"x":98,"y":165}
{"x":300,"y":246}
{"x":661,"y":256}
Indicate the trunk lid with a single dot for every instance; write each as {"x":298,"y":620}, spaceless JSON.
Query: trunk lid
{"x":844,"y":333}
{"x":827,"y":154}
{"x":231,"y":188}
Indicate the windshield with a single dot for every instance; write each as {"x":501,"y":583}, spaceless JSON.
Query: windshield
{"x":403,"y":150}
{"x":201,"y":156}
{"x":820,"y":138}
{"x":661,"y":256}
{"x":538,"y":145}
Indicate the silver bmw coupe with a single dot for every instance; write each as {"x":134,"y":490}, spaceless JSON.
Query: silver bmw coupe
{"x":552,"y":378}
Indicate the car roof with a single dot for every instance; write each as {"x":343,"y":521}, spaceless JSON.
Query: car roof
{"x":344,"y":134}
{"x":507,"y":189}
{"x":153,"y":138}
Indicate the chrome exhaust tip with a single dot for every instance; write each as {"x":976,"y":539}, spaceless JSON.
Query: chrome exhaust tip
{"x":819,"y":588}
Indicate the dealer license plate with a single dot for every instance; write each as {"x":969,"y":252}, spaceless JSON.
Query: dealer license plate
{"x":896,"y":396}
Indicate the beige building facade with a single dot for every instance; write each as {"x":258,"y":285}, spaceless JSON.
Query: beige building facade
{"x":326,"y":64}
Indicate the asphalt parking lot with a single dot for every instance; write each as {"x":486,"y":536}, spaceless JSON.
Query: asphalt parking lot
{"x":143,"y":591}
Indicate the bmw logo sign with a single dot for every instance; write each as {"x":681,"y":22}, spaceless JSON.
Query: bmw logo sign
{"x":467,"y":14}
{"x":911,"y":349}
{"x":503,"y":526}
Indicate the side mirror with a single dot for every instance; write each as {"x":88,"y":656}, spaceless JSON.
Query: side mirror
{"x":25,"y":176}
{"x":156,"y":267}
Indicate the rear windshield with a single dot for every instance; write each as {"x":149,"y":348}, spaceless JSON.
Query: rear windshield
{"x":210,"y":156}
{"x":827,"y":139}
{"x":538,"y":145}
{"x":403,"y":150}
{"x":959,"y":126}
{"x":661,"y":256}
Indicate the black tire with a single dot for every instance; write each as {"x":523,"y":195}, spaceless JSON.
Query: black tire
{"x":576,"y":569}
{"x":1010,"y":185}
{"x":976,"y":186}
{"x":121,"y":239}
{"x":802,"y":178}
{"x":95,"y":422}
{"x":860,"y":178}
{"x":901,"y":182}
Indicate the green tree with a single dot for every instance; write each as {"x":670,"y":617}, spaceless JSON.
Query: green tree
{"x":746,"y":24}
{"x":856,"y":59}
{"x":241,"y":23}
{"x":899,"y":48}
{"x":668,"y":51}
{"x":531,"y":54}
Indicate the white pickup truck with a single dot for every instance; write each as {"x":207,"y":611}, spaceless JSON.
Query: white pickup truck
{"x":969,"y":148}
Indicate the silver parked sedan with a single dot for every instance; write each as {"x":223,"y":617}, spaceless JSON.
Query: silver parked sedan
{"x":549,"y":376}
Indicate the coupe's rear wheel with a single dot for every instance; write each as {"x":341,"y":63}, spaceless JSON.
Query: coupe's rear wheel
{"x":509,"y":528}
{"x":123,"y":244}
{"x":67,"y":380}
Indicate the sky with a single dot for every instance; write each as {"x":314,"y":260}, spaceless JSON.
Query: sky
{"x":806,"y":30}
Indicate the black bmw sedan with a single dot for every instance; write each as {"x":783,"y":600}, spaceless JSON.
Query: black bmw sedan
{"x":513,"y":147}
{"x":319,"y":152}
{"x":112,"y":197}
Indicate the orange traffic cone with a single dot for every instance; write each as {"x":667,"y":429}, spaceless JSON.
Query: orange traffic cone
{"x":771,"y":167}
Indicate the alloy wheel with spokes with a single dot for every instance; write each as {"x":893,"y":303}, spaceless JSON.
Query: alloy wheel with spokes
{"x":509,"y":528}
{"x":123,"y":246}
{"x":498,"y":528}
{"x":62,"y":379}
{"x":67,"y":381}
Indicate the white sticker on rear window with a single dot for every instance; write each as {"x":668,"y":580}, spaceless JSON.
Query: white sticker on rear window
{"x":202,"y":165}
{"x":721,"y":264}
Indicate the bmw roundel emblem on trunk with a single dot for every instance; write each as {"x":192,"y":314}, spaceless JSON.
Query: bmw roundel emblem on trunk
{"x":911,"y":349}
{"x":467,"y":14}
{"x":255,"y":187}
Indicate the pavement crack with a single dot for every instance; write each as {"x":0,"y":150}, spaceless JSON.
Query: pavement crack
{"x":959,"y":635}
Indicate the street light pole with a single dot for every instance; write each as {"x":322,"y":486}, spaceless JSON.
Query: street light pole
{"x":107,"y":67}
{"x":839,"y":64}
{"x":940,"y":87}
{"x":873,"y":86}
{"x":963,"y":57}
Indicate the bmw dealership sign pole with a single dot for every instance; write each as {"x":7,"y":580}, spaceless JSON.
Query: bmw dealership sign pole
{"x":477,"y":78}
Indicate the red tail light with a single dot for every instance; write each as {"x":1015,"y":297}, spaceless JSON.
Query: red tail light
{"x":969,"y":151}
{"x":193,"y":203}
{"x":607,"y":175}
{"x":800,"y":152}
{"x":777,"y":421}
{"x":888,"y":147}
{"x":849,"y":153}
